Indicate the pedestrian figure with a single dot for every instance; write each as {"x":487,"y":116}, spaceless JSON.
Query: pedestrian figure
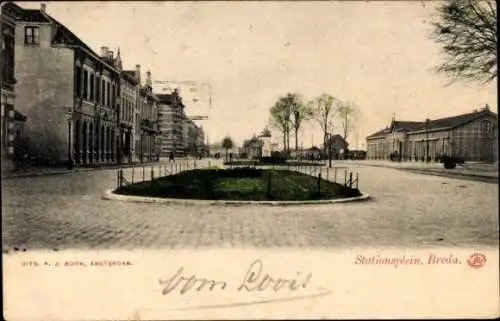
{"x":18,"y":158}
{"x":171,"y":157}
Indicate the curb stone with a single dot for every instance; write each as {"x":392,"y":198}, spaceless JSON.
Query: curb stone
{"x":436,"y":171}
{"x":110,"y":195}
{"x":76,"y":170}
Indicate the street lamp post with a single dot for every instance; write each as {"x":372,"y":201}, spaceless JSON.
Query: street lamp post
{"x":427,"y":156}
{"x":69,"y":118}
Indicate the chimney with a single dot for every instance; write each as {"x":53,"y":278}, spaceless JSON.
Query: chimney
{"x":149,"y":82}
{"x":43,"y":7}
{"x":110,"y":55}
{"x":104,"y":52}
{"x":487,"y":107}
{"x":138,"y":71}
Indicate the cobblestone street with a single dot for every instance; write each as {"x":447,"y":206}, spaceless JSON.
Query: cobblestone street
{"x":407,"y":209}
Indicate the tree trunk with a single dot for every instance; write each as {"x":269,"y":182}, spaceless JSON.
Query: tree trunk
{"x":325,"y":142}
{"x":284,"y":141}
{"x":296,"y":142}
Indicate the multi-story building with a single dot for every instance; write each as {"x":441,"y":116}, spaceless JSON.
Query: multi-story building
{"x":171,"y":119}
{"x":186,"y":124}
{"x":472,"y":137}
{"x":12,"y":120}
{"x":195,"y":138}
{"x":67,"y":91}
{"x":127,"y":104}
{"x":147,"y":130}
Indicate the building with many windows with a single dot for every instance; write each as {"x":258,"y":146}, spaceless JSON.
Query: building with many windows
{"x":127,"y":105}
{"x":472,"y":137}
{"x":67,"y":91}
{"x":12,"y":120}
{"x":171,"y":122}
{"x":194,"y":138}
{"x":147,"y":135}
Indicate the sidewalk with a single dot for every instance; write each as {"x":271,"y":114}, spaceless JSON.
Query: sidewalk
{"x":44,"y":171}
{"x":468,"y":169}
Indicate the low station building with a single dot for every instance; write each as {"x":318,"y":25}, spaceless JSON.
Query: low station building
{"x":471,"y":137}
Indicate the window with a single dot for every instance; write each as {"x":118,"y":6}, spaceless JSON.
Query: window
{"x":31,"y":36}
{"x":85,"y":84}
{"x":103,"y":93}
{"x":108,"y":95}
{"x":78,"y":81}
{"x":113,"y":96}
{"x":97,"y":88}
{"x":485,"y":127}
{"x":8,"y":57}
{"x":92,"y":87}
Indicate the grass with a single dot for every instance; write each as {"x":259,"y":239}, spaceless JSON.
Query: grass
{"x":244,"y":184}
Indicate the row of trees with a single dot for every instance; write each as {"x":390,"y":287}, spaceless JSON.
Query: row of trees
{"x":289,"y":113}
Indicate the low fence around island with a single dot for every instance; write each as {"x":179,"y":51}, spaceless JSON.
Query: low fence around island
{"x":131,"y":175}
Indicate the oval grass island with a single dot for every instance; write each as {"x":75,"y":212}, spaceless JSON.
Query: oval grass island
{"x":255,"y":186}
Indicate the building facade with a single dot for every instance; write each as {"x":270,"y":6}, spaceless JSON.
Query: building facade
{"x":472,"y":137}
{"x":68,"y":91}
{"x":12,"y":121}
{"x":147,"y":141}
{"x":195,"y":138}
{"x":171,"y":122}
{"x":127,"y":105}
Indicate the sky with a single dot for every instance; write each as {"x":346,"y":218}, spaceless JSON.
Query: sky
{"x":377,"y":55}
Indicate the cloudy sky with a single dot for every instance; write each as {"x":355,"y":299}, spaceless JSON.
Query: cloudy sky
{"x":375,"y":54}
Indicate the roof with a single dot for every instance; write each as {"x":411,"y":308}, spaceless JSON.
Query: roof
{"x":440,"y":123}
{"x":18,"y":116}
{"x":65,"y":36}
{"x":129,"y":72}
{"x":21,"y":14}
{"x":455,"y":121}
{"x":130,"y":76}
{"x":398,"y":125}
{"x":165,"y":98}
{"x":62,"y":35}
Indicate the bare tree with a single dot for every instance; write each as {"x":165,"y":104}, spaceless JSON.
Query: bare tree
{"x":299,"y":113}
{"x":281,"y":116}
{"x":323,"y":110}
{"x":347,"y":114}
{"x":467,"y":29}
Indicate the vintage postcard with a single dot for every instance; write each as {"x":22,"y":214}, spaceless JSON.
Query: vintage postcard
{"x":179,"y":160}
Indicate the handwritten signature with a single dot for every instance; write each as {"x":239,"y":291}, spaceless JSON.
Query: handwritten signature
{"x":255,"y":280}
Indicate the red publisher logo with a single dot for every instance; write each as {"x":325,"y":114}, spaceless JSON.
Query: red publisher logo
{"x":477,"y":260}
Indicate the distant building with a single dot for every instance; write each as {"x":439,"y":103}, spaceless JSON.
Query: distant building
{"x":472,"y":137}
{"x":170,"y":120}
{"x":252,"y":148}
{"x":338,"y":146}
{"x":266,"y":145}
{"x":195,"y":138}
